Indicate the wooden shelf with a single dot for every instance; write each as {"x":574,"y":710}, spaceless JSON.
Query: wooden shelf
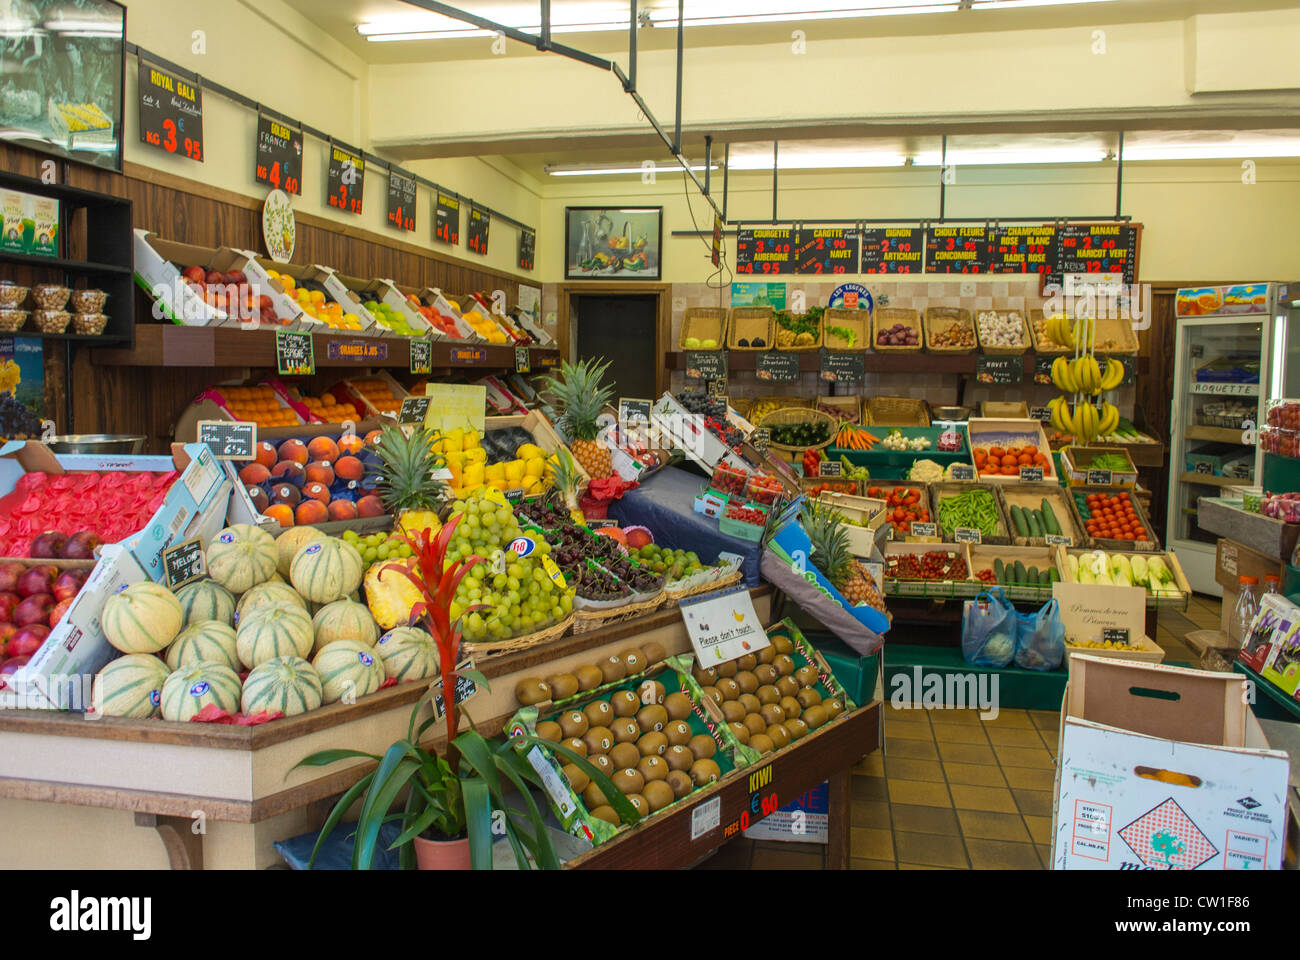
{"x":166,"y":345}
{"x":920,"y":362}
{"x":59,"y":263}
{"x":1220,"y":434}
{"x":1210,"y":480}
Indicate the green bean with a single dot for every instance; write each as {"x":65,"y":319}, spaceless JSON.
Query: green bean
{"x":973,"y":509}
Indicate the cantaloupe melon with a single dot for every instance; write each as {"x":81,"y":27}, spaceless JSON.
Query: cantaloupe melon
{"x":408,"y":653}
{"x":130,"y":686}
{"x":288,"y":684}
{"x":267,"y":632}
{"x":289,"y":543}
{"x":326,"y":570}
{"x":142,"y":618}
{"x":206,"y":600}
{"x":348,"y":670}
{"x":270,"y":594}
{"x":204,"y":640}
{"x":344,"y":620}
{"x":191,"y":688}
{"x":240,"y":557}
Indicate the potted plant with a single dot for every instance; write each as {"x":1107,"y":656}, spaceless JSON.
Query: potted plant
{"x":447,"y":817}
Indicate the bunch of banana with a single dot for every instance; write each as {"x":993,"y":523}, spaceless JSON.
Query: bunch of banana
{"x":1060,"y":410}
{"x":1063,"y":375}
{"x":1082,"y":374}
{"x":1088,"y":372}
{"x":1061,"y":330}
{"x":1113,"y":376}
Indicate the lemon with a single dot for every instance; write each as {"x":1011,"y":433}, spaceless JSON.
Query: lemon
{"x":527,"y":451}
{"x":535,"y":467}
{"x":693,"y":343}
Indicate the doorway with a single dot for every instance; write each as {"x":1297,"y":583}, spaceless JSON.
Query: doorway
{"x":622,"y":328}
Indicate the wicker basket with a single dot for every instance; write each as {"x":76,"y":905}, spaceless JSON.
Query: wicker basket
{"x":859,"y":321}
{"x":774,"y":403}
{"x":675,"y":596}
{"x":487,"y":649}
{"x":941,"y":320}
{"x":1119,"y":332}
{"x":800,"y":348}
{"x":1042,"y":342}
{"x":1015,"y":351}
{"x":841,"y":408}
{"x":704,"y":323}
{"x":887,"y":317}
{"x":791,"y":415}
{"x":584,"y":621}
{"x":748,"y":323}
{"x":896,"y":412}
{"x":741,"y":405}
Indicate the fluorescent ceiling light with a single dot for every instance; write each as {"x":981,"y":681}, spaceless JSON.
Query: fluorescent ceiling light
{"x":85,"y":28}
{"x":1239,"y":150}
{"x":1016,"y":4}
{"x":830,"y":160}
{"x":1012,"y":157}
{"x":565,"y":170}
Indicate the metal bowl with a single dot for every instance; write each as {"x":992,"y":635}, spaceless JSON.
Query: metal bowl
{"x":115,"y":443}
{"x":950,"y":414}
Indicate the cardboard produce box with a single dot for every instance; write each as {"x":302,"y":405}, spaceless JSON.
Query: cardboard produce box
{"x":1164,"y":768}
{"x":1076,"y":466}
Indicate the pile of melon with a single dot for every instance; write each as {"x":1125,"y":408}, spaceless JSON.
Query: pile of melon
{"x":282,"y":613}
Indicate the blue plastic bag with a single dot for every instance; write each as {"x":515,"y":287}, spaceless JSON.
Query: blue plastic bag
{"x":1040,"y":638}
{"x":988,"y":630}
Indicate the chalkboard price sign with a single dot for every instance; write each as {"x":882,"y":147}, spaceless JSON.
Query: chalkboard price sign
{"x":999,"y":370}
{"x":706,"y":364}
{"x":777,"y":366}
{"x":346,"y":181}
{"x":523,"y":360}
{"x":1031,"y":474}
{"x":446,"y":219}
{"x":767,"y":250}
{"x":632,"y":411}
{"x":171,"y":112}
{"x":825,"y":251}
{"x":761,"y":439}
{"x":401,"y":201}
{"x":294,"y":354}
{"x":413,"y":409}
{"x":830,"y":468}
{"x":1100,"y":478}
{"x":1115,"y":635}
{"x":1026,"y":249}
{"x":1041,"y":414}
{"x":916,"y":530}
{"x":465,"y":688}
{"x":1097,"y":248}
{"x":279,"y":155}
{"x":843,"y":367}
{"x":1043,"y":368}
{"x":421,"y":356}
{"x":967,"y":535}
{"x":893,"y":250}
{"x":1059,"y":540}
{"x":963,"y":471}
{"x":184,"y":563}
{"x":480,"y":222}
{"x":957,"y":250}
{"x":229,"y":440}
{"x":527,"y":246}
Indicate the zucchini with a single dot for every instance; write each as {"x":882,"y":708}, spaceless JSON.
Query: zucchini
{"x":999,"y":571}
{"x":1049,"y":519}
{"x":1053,"y":575}
{"x":1045,"y":577}
{"x":1035,"y":529}
{"x":1018,"y":518}
{"x":1031,"y":577}
{"x":1020,"y":575}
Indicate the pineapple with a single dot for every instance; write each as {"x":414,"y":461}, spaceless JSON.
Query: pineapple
{"x":830,"y":555}
{"x":407,"y":488}
{"x":562,"y":471}
{"x":389,"y":595}
{"x":581,"y":396}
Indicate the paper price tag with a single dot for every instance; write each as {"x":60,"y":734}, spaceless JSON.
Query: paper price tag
{"x":723,"y":627}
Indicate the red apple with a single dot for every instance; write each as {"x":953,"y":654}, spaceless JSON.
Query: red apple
{"x":7,"y":630}
{"x":10,"y":667}
{"x":39,"y":579}
{"x":81,"y":546}
{"x":27,"y":640}
{"x":48,"y":544}
{"x":65,"y":587}
{"x":236,"y":276}
{"x":8,"y":601}
{"x":195,"y":274}
{"x":35,"y":609}
{"x":57,"y":612}
{"x":214,"y":276}
{"x":9,"y":574}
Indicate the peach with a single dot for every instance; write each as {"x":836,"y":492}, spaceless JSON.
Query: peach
{"x":323,"y":448}
{"x":254,"y":473}
{"x":311,"y":511}
{"x":318,"y":471}
{"x":350,"y":442}
{"x":265,"y":454}
{"x":317,"y":491}
{"x":370,"y":506}
{"x":294,"y":450}
{"x":281,"y":513}
{"x":285,"y":493}
{"x":260,"y":500}
{"x":290,"y":471}
{"x":372,"y":438}
{"x":342,"y":510}
{"x":349,"y":468}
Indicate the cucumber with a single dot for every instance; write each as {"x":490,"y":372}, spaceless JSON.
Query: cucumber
{"x":1018,"y":518}
{"x":1045,"y":577}
{"x":1020,"y":575}
{"x":999,"y":571}
{"x":1035,"y":529}
{"x":1049,"y":519}
{"x":1053,"y":575}
{"x":1031,"y":577}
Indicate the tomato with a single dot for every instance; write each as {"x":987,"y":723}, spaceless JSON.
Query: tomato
{"x":1030,"y":449}
{"x":1024,"y":460}
{"x":997,"y":453}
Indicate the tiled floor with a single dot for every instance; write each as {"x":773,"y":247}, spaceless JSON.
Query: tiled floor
{"x":952,"y":791}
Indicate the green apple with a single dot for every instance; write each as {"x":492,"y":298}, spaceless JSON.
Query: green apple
{"x":692,"y":343}
{"x":709,"y":344}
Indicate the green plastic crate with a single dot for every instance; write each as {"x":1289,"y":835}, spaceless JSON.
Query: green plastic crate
{"x":1017,"y":689}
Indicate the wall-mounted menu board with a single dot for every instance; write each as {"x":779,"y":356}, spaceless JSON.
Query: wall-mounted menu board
{"x":765,"y":250}
{"x":893,"y":250}
{"x":1022,"y":249}
{"x":345,"y":179}
{"x":279,"y":155}
{"x":171,"y":112}
{"x":831,"y":250}
{"x":957,"y":250}
{"x":1098,"y":248}
{"x":401,"y":200}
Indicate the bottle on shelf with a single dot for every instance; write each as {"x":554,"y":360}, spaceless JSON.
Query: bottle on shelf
{"x":1272,"y":584}
{"x":1246,"y":607}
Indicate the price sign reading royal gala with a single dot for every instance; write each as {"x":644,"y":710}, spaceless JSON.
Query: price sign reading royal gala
{"x":893,"y":250}
{"x":1028,"y":249}
{"x":446,"y":219}
{"x":724,"y":627}
{"x":401,"y":201}
{"x":769,"y":250}
{"x":957,"y":250}
{"x":527,"y":246}
{"x":279,"y":155}
{"x":171,"y":112}
{"x":1098,"y":248}
{"x":480,"y":221}
{"x":821,"y":251}
{"x":346,"y":180}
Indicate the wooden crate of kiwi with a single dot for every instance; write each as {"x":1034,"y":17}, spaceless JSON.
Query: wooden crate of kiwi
{"x":648,"y":731}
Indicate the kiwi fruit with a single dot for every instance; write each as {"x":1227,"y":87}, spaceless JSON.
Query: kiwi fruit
{"x":782,"y":645}
{"x":606,"y":812}
{"x":798,"y":729}
{"x":728,"y":669}
{"x":678,"y":757}
{"x":654,"y":651}
{"x":562,"y":685}
{"x":784,"y":664}
{"x":728,"y":687}
{"x":733,"y":711}
{"x":750,"y":702}
{"x":633,"y":660}
{"x":574,"y":723}
{"x":678,"y":706}
{"x":755,"y":723}
{"x":747,"y":681}
{"x":626,"y":730}
{"x":779,"y":735}
{"x":593,"y":796}
{"x":603,"y":763}
{"x":652,"y":744}
{"x":652,"y":717}
{"x":625,"y":703}
{"x":766,"y":673}
{"x":577,"y":745}
{"x":808,"y":697}
{"x":612,"y":668}
{"x":772,"y":713}
{"x":599,"y":713}
{"x":680,"y":781}
{"x":787,"y":686}
{"x":704,"y":676}
{"x":639,"y":804}
{"x":551,"y":732}
{"x":652,"y":767}
{"x":658,"y":794}
{"x":702,"y":746}
{"x":589,"y":677}
{"x":651,"y":691}
{"x":629,"y":780}
{"x":766,"y":655}
{"x":834,"y":707}
{"x":624,"y":755}
{"x":790,"y":707}
{"x":807,"y":675}
{"x":747,"y":662}
{"x":577,"y":779}
{"x":740,"y":731}
{"x":768,"y":694}
{"x":814,"y":716}
{"x":532,"y":690}
{"x":704,"y":772}
{"x":678,"y":732}
{"x":713,"y":693}
{"x":598,"y":740}
{"x":762,"y":743}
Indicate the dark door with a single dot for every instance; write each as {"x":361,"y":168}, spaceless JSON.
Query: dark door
{"x":620,"y":328}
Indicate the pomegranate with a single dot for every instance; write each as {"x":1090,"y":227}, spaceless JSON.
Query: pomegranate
{"x":37,"y":580}
{"x":81,"y":545}
{"x":35,"y":609}
{"x":48,"y":544}
{"x":27,"y":640}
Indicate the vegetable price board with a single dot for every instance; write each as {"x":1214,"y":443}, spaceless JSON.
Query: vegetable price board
{"x":828,"y":251}
{"x":957,"y":250}
{"x":893,"y":250}
{"x":770,"y":251}
{"x":1027,"y":249}
{"x":1097,"y":248}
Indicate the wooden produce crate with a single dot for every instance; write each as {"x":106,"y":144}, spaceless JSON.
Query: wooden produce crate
{"x":868,"y":510}
{"x":856,"y":321}
{"x":1004,"y":409}
{"x":748,"y":323}
{"x":885,"y":317}
{"x":1150,"y":545}
{"x":848,"y":409}
{"x":942,"y":323}
{"x":1170,"y":560}
{"x":818,"y":485}
{"x":793,"y":347}
{"x":1005,"y":351}
{"x":1077,"y":470}
{"x":1143,"y":650}
{"x":1006,"y":432}
{"x":950,"y":488}
{"x":983,"y":556}
{"x":544,"y":435}
{"x":1029,"y":496}
{"x":703,"y":323}
{"x":1038,"y":333}
{"x":966,"y":586}
{"x":896,"y":412}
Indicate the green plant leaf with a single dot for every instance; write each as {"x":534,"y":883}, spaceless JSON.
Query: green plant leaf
{"x":478,"y":678}
{"x":340,"y":808}
{"x":542,"y":848}
{"x":417,"y":827}
{"x":478,"y":822}
{"x":325,"y":757}
{"x":394,"y":770}
{"x":617,"y":799}
{"x":476,"y":752}
{"x":415,"y":712}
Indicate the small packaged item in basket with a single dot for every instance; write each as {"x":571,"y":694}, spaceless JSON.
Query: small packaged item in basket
{"x":729,"y":479}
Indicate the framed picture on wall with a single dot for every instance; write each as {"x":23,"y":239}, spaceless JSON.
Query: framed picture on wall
{"x":613,"y":243}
